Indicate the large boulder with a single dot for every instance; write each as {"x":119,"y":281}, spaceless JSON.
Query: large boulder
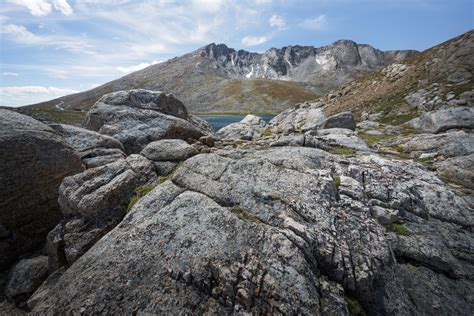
{"x":33,"y":162}
{"x":301,"y":118}
{"x":94,"y":149}
{"x":285,"y":230}
{"x":138,"y":117}
{"x":25,"y":277}
{"x":443,"y":120}
{"x":449,"y":144}
{"x":92,"y":203}
{"x":169,"y":149}
{"x":248,"y":128}
{"x":98,"y":192}
{"x":340,"y":120}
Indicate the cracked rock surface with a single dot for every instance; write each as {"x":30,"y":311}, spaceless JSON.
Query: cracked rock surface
{"x":283,"y":230}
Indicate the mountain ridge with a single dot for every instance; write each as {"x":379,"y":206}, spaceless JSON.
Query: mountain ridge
{"x":216,"y":78}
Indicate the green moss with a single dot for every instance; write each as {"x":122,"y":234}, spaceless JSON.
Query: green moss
{"x":244,"y":215}
{"x":337,"y":181}
{"x":426,"y":159}
{"x":56,"y":116}
{"x":138,"y":193}
{"x":373,"y":139}
{"x":355,"y":308}
{"x":399,"y":229}
{"x":398,"y":148}
{"x":343,"y":151}
{"x":398,"y":119}
{"x":267,"y":132}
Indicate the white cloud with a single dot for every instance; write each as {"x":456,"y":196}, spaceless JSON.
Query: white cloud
{"x":277,"y":21}
{"x":316,"y":23}
{"x":254,"y":40}
{"x":19,"y":34}
{"x":44,"y":7}
{"x":140,"y":66}
{"x":22,"y":95}
{"x":36,"y":7}
{"x":63,"y":7}
{"x":14,"y":74}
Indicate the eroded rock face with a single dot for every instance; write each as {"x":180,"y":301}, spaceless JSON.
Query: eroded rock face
{"x":138,"y":117}
{"x":33,"y":162}
{"x":94,"y":149}
{"x":281,"y":230}
{"x":92,"y":203}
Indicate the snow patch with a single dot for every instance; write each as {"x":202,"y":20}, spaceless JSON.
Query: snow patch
{"x":249,"y":75}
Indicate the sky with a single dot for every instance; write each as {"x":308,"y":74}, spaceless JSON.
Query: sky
{"x":51,"y":48}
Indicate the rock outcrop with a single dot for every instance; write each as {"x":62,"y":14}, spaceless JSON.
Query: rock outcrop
{"x":33,"y":162}
{"x":287,"y":230}
{"x":138,"y":117}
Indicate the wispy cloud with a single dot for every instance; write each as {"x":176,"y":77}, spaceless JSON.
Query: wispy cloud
{"x":21,"y":35}
{"x":13,"y":74}
{"x":20,"y":95}
{"x":254,"y":40}
{"x":316,"y":23}
{"x":140,"y":66}
{"x":44,"y":7}
{"x":277,"y":21}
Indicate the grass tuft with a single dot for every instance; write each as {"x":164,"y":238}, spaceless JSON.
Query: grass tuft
{"x":244,"y":215}
{"x":399,"y":229}
{"x":138,"y":193}
{"x":355,"y":308}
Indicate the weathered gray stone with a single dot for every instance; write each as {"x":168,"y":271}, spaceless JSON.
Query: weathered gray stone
{"x":458,"y":169}
{"x":33,"y":162}
{"x":302,"y":117}
{"x":94,"y":149}
{"x":443,"y":120}
{"x":241,"y":222}
{"x":26,"y":276}
{"x":99,"y":192}
{"x":248,"y":128}
{"x":169,"y":149}
{"x":449,"y":144}
{"x":144,"y":168}
{"x":340,"y":120}
{"x":139,"y":117}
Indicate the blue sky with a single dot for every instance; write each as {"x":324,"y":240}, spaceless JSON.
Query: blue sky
{"x":51,"y":48}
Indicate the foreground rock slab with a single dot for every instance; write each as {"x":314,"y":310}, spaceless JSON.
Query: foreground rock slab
{"x":281,"y":230}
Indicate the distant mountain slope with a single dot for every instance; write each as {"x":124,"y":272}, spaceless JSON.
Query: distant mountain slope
{"x":216,"y":78}
{"x":428,"y":81}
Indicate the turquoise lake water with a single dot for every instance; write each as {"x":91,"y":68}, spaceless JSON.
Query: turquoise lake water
{"x":219,"y":121}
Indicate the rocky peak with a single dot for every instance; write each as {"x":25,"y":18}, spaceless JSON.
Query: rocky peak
{"x":215,"y":51}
